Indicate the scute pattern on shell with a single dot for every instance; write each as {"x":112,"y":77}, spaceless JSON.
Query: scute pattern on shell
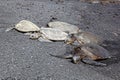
{"x":63,"y":26}
{"x":53,"y":34}
{"x":26,"y":26}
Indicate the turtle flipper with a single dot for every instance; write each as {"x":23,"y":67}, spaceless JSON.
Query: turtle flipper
{"x":92,"y":62}
{"x":8,"y":29}
{"x":41,"y":39}
{"x":28,"y":33}
{"x":64,"y":56}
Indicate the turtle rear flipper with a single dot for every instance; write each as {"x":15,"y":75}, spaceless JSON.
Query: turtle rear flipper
{"x":92,"y":62}
{"x":64,"y":56}
{"x":9,"y":29}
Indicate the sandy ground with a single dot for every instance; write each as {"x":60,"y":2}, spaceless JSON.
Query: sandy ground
{"x":25,"y":59}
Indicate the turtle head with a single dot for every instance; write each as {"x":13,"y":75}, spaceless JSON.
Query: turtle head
{"x":76,"y":59}
{"x":35,"y":36}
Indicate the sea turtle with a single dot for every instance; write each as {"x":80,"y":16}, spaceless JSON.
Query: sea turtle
{"x":83,"y":37}
{"x":50,"y":34}
{"x":88,"y":53}
{"x":63,"y":26}
{"x":25,"y":26}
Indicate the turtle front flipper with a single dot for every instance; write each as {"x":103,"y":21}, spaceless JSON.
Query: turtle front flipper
{"x":92,"y":62}
{"x":41,"y":39}
{"x":64,"y":56}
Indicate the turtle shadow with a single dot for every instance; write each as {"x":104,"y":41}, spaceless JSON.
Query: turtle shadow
{"x":114,"y":48}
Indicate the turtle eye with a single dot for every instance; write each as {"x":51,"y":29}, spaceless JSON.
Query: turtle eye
{"x":32,"y":36}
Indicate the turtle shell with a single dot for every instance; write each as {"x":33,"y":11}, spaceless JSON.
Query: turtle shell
{"x":63,"y":26}
{"x":95,"y":51}
{"x":53,"y":34}
{"x":88,"y":37}
{"x":26,"y":26}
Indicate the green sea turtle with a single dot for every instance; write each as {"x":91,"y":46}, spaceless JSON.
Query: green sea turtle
{"x":88,"y":53}
{"x":25,"y":26}
{"x":63,"y":26}
{"x":49,"y":34}
{"x":83,"y":37}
